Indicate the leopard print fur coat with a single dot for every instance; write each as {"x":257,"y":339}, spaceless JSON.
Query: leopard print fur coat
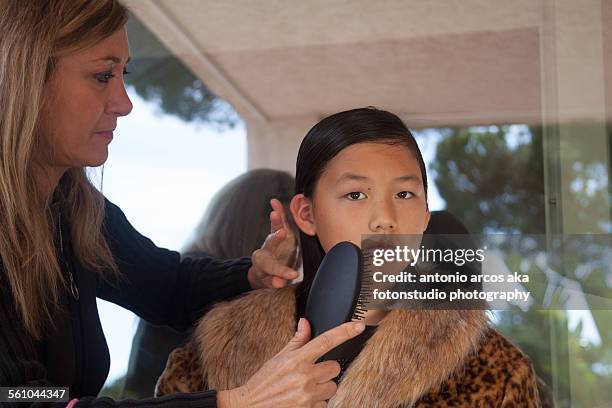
{"x":426,"y":358}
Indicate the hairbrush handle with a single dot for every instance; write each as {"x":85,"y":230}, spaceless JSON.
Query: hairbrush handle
{"x":334,"y":292}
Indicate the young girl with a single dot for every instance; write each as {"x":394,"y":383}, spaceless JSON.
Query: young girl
{"x":360,"y":172}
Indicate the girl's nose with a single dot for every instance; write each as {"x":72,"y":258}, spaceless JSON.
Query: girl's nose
{"x":383,"y":219}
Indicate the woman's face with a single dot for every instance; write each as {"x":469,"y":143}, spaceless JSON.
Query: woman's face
{"x":368,"y":188}
{"x":83,"y":98}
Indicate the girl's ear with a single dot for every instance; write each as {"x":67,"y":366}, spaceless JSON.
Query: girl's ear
{"x":427,"y":217}
{"x":301,"y":209}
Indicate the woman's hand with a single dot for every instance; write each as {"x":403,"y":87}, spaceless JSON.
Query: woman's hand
{"x":291,"y":378}
{"x":270,"y":263}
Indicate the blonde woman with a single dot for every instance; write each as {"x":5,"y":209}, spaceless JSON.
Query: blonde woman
{"x":62,"y":244}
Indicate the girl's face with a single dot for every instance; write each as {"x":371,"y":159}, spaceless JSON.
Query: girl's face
{"x":83,"y":97}
{"x":368,"y":188}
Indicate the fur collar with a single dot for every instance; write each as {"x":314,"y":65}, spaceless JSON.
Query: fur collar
{"x":410,"y":353}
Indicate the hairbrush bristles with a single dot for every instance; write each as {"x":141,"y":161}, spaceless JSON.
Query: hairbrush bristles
{"x":366,"y":288}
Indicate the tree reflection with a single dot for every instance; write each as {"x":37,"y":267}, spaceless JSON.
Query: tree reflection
{"x":492,"y":178}
{"x":160,"y":77}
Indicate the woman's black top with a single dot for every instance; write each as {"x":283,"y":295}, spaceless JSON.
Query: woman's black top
{"x":157,"y":286}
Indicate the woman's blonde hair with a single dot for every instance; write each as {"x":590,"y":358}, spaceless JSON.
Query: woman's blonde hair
{"x":33,"y":36}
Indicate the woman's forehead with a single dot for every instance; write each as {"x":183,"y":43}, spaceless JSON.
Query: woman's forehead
{"x":112,"y":50}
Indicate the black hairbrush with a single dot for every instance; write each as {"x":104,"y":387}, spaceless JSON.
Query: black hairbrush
{"x":339,"y":293}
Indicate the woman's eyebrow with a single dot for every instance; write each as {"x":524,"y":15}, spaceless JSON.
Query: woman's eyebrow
{"x":113,"y":59}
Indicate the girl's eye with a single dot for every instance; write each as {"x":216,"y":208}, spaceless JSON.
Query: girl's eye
{"x":355,"y":195}
{"x":405,"y":194}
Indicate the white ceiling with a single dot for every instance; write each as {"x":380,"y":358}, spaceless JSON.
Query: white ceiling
{"x":439,"y":62}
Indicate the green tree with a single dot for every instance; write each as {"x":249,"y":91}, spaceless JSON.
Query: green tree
{"x":492,"y":178}
{"x":159,"y":76}
{"x":492,"y":183}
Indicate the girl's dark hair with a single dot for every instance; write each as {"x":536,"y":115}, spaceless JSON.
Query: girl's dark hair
{"x":322,"y":143}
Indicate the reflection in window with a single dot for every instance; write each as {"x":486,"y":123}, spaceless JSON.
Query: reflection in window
{"x":492,"y":178}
